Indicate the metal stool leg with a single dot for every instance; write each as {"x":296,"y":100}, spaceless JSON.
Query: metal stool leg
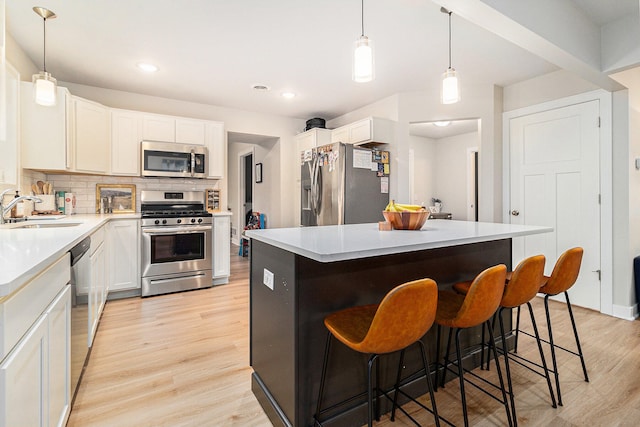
{"x":553,"y":349}
{"x":575,"y":334}
{"x":372,"y":359}
{"x":322,"y":379}
{"x":544,"y":362}
{"x":507,"y":370}
{"x":425,"y":362}
{"x":397,"y":386}
{"x":461,"y":379}
{"x":446,"y":358}
{"x":495,"y":356}
{"x":515,"y":345}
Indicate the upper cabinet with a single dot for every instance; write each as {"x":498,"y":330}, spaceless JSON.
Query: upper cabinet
{"x":92,"y":136}
{"x":216,"y":143}
{"x":126,"y":134}
{"x":78,"y":135}
{"x":46,"y":132}
{"x":371,"y":129}
{"x":9,"y":141}
{"x":313,"y":138}
{"x":156,"y":127}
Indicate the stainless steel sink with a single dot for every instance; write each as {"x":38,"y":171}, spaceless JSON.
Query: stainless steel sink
{"x":46,"y":225}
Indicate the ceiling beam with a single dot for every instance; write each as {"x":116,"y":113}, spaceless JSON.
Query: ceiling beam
{"x":556,"y":31}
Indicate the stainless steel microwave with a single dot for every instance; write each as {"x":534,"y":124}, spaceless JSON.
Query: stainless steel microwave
{"x":170,"y":159}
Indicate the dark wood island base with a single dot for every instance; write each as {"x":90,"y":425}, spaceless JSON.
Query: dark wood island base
{"x":287,"y":335}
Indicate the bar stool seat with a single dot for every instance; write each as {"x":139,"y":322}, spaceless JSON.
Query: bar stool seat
{"x":459,"y":312}
{"x":403,"y":317}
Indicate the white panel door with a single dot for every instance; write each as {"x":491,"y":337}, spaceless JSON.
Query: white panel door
{"x":554,"y":161}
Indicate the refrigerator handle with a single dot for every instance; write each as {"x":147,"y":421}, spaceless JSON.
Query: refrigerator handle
{"x":318,"y":188}
{"x":312,"y":204}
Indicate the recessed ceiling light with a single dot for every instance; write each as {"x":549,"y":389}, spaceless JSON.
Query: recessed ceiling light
{"x":442,"y":124}
{"x":288,"y":95}
{"x":149,"y":68}
{"x":260,"y":87}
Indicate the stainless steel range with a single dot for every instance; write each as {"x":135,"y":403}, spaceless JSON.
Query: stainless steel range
{"x":176,"y":242}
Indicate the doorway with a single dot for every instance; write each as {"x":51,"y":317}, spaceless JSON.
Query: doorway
{"x":245,"y":187}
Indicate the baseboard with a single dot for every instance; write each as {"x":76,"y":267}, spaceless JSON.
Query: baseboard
{"x":624,"y":312}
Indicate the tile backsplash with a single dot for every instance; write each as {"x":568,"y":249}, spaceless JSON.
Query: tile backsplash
{"x":84,"y":186}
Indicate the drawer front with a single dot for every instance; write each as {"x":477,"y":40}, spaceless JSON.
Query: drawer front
{"x":97,"y":239}
{"x":21,"y":309}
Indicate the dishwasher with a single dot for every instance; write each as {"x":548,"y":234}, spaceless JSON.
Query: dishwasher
{"x":79,"y":313}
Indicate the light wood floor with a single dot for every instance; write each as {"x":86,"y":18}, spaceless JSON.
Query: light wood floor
{"x":183,"y":360}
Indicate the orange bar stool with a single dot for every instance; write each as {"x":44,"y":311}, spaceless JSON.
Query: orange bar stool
{"x":564,"y":275}
{"x":521,"y":288}
{"x":459,"y":312}
{"x":405,"y":314}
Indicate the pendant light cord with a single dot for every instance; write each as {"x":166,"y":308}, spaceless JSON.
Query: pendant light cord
{"x":44,"y":44}
{"x":362,"y":16}
{"x":449,"y":39}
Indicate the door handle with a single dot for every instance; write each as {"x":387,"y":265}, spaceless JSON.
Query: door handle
{"x":515,"y":212}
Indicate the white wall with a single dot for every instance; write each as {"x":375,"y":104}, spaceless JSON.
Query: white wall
{"x":555,"y":85}
{"x":451,"y":172}
{"x":424,"y":170}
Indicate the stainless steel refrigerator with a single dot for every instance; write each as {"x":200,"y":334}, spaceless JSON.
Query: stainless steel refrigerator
{"x":343,"y":184}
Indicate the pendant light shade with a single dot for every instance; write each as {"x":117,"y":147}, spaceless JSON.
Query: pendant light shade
{"x":45,"y":86}
{"x":363,"y":60}
{"x":450,"y":93}
{"x":363,"y":56}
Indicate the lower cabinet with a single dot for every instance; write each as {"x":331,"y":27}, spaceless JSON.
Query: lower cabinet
{"x":34,"y":377}
{"x":221,"y":249}
{"x":124,"y":254}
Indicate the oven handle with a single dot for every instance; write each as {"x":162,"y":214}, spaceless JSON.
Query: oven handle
{"x":176,"y":230}
{"x":157,"y":281}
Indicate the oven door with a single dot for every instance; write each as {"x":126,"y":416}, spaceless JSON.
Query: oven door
{"x":170,"y":250}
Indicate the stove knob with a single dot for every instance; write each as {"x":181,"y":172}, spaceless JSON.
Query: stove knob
{"x":199,"y":220}
{"x":179,"y":221}
{"x":193,"y":220}
{"x":164,"y":221}
{"x":156,"y":222}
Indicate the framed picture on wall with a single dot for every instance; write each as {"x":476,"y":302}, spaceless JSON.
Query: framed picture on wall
{"x":115,"y":198}
{"x":258,"y":173}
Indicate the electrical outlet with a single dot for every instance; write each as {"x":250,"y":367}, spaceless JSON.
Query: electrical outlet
{"x":268,"y":279}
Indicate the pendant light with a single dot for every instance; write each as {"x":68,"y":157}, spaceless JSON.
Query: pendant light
{"x":450,"y":90}
{"x":363,"y":56}
{"x":44,"y":85}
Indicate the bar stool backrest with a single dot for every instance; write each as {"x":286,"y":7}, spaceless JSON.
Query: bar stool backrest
{"x":405,"y":314}
{"x":525,"y":282}
{"x":483,"y":298}
{"x":565,"y":272}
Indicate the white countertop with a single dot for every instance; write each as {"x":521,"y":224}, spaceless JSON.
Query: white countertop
{"x":344,"y":242}
{"x":26,"y":252}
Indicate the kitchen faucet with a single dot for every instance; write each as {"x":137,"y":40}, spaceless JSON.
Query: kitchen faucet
{"x":4,"y":209}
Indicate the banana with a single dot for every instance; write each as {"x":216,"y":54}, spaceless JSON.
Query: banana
{"x":412,"y":208}
{"x":398,"y":207}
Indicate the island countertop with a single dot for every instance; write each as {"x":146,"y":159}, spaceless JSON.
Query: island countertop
{"x":344,"y":242}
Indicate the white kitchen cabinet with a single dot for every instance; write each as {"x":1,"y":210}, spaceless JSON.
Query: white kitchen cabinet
{"x":370,"y":129}
{"x":23,"y":380}
{"x":92,"y":136}
{"x":59,"y":362}
{"x":36,"y":331}
{"x":221,"y":249}
{"x":46,"y":132}
{"x":216,"y":143}
{"x":190,"y":131}
{"x":124,"y":260}
{"x":9,"y":139}
{"x":156,"y":127}
{"x":126,"y":134}
{"x":312,"y":138}
{"x":97,"y":292}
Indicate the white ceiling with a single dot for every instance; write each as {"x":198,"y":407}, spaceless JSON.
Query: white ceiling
{"x":214,"y":51}
{"x":455,"y":127}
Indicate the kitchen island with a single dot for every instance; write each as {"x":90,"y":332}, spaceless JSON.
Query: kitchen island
{"x":299,"y":275}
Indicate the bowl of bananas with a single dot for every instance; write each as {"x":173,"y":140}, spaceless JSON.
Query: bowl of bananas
{"x":405,"y":217}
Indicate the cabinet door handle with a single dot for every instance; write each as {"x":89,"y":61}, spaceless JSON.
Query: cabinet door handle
{"x":515,"y":212}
